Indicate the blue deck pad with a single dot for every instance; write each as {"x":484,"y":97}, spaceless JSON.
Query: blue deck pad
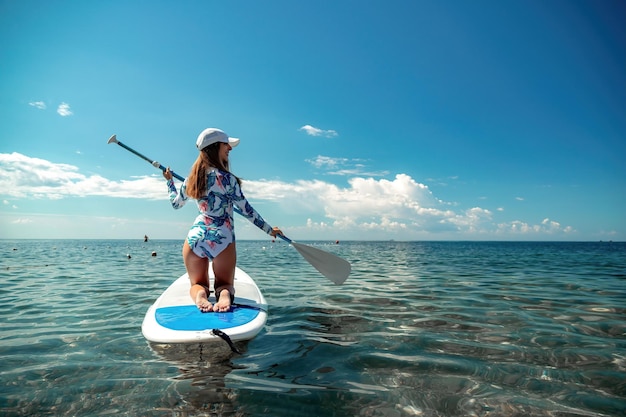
{"x":190,"y":318}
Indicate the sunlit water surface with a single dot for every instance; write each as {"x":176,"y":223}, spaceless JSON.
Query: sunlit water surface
{"x":419,"y":329}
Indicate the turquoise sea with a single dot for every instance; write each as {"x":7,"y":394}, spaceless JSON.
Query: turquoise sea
{"x":419,"y":329}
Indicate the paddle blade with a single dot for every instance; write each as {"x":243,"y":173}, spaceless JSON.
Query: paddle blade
{"x":332,"y":267}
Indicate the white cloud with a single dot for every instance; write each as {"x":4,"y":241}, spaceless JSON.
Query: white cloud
{"x":314,"y":131}
{"x":22,"y":221}
{"x":64,"y":110}
{"x":33,"y":177}
{"x":344,"y":166}
{"x":366,"y":208}
{"x":38,"y":104}
{"x":547,"y":226}
{"x":326,"y":161}
{"x":369,"y":204}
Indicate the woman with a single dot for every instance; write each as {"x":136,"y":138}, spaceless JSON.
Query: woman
{"x":212,"y":236}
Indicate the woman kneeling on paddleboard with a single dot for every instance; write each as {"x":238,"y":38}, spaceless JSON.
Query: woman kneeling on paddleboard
{"x":212,"y":236}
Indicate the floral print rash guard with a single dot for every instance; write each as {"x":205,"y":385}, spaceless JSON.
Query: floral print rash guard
{"x":213,"y":229}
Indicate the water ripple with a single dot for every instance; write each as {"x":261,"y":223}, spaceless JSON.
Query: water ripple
{"x":419,"y":329}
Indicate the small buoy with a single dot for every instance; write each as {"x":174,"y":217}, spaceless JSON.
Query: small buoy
{"x":128,"y":255}
{"x":153,"y":253}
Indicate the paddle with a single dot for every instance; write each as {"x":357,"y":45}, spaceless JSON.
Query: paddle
{"x":331,"y":266}
{"x":113,"y":139}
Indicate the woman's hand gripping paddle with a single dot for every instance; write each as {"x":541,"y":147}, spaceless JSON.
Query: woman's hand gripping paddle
{"x":331,"y":266}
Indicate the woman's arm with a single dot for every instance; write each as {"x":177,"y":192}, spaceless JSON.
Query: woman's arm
{"x":176,"y":199}
{"x":250,"y":213}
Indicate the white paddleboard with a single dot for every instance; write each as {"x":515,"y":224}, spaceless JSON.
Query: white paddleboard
{"x":174,"y":317}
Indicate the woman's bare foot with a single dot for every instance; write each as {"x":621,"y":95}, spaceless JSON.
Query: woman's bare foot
{"x":203,"y":302}
{"x":223,"y":304}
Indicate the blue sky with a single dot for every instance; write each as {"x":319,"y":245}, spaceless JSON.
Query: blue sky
{"x":406,"y":120}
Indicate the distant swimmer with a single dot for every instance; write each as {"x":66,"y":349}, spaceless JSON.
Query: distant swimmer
{"x":145,"y":238}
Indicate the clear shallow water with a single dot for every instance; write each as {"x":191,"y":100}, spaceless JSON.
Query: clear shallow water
{"x":419,"y":329}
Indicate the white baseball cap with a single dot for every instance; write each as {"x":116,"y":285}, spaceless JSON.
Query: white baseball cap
{"x":211,"y":135}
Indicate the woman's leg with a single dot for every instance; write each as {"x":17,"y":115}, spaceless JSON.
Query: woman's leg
{"x":198,"y":271}
{"x":224,"y":269}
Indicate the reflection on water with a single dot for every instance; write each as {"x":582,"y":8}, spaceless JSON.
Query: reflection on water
{"x":419,"y":329}
{"x":200,"y":385}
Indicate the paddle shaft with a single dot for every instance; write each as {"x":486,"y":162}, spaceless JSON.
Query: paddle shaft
{"x":155,"y":164}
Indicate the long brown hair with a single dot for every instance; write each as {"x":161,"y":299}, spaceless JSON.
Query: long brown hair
{"x":197,"y":180}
